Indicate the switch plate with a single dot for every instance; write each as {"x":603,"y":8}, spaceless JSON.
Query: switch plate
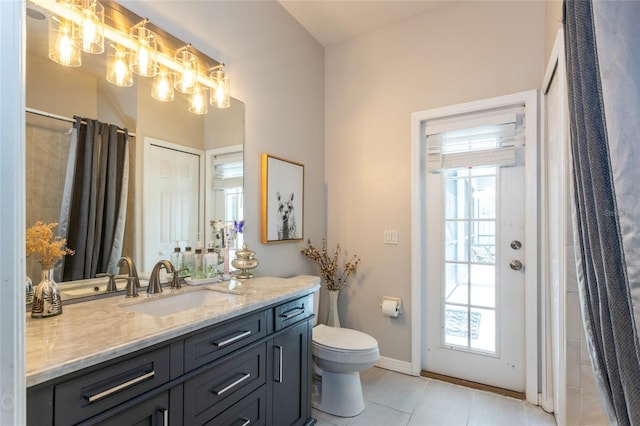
{"x":391,"y":236}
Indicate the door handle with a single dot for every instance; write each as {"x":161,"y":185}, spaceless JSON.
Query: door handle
{"x":516,"y":265}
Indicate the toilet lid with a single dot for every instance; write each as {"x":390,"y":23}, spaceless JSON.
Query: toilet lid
{"x":343,"y":338}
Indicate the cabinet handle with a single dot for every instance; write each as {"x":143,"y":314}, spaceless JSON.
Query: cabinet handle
{"x":165,"y":417}
{"x":292,"y":313}
{"x":280,"y":356}
{"x":121,"y":386}
{"x":233,"y":339}
{"x":232,"y":385}
{"x":245,"y":422}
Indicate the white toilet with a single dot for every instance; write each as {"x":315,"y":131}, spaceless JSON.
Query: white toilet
{"x":339,"y":354}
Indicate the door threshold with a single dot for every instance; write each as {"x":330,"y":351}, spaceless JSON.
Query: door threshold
{"x":474,"y":385}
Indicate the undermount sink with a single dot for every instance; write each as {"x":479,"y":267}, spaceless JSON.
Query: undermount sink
{"x":169,"y":305}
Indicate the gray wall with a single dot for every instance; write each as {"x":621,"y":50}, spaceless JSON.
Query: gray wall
{"x":460,"y":52}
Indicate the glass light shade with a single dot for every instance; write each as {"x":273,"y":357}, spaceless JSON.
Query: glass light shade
{"x":118,"y":71}
{"x":64,"y":41}
{"x":162,"y":88}
{"x":92,"y":27}
{"x":220,"y":97}
{"x":143,"y":58}
{"x":187,"y":78}
{"x":198,"y":101}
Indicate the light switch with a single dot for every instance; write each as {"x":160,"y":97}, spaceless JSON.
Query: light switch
{"x":391,"y":236}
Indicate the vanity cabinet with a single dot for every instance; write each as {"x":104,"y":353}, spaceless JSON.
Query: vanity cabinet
{"x":253,"y":369}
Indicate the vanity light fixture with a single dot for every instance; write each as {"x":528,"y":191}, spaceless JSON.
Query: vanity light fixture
{"x":187,"y":77}
{"x":75,"y":25}
{"x":64,"y":37}
{"x":162,"y":87}
{"x":142,"y":58}
{"x":220,"y":97}
{"x":92,"y":25}
{"x":118,"y":72}
{"x":198,"y":101}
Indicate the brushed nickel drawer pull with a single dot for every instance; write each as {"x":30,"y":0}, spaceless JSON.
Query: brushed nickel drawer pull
{"x":165,"y":417}
{"x":233,"y":339}
{"x":293,"y":313}
{"x":246,"y":422}
{"x":232,"y":385}
{"x":121,"y":386}
{"x":280,"y":356}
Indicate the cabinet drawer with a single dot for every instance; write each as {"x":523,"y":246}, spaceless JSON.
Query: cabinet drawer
{"x":98,"y":390}
{"x":215,"y":390}
{"x":216,"y":342}
{"x":252,"y":410}
{"x":292,"y":312}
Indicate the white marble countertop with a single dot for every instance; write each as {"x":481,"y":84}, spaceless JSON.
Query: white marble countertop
{"x":92,"y":332}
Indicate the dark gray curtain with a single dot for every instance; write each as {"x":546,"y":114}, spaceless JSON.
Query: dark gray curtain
{"x":97,"y":199}
{"x":602,"y":40}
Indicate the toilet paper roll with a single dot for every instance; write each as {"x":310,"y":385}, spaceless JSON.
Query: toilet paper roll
{"x":390,"y":308}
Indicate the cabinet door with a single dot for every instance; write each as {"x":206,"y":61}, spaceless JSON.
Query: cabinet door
{"x":291,"y":382}
{"x":151,"y":412}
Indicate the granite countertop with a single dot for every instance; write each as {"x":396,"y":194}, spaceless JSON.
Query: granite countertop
{"x":92,"y":332}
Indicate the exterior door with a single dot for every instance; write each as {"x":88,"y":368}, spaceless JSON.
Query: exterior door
{"x":475,"y":287}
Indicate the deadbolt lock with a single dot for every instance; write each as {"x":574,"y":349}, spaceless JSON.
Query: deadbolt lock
{"x":515,"y":244}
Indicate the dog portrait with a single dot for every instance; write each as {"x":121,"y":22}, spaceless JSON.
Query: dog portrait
{"x":282,"y":200}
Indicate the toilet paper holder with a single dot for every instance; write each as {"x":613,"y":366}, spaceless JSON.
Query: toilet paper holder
{"x":398,"y":300}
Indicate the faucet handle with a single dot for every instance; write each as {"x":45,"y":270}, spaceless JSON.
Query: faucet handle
{"x":175,"y":282}
{"x":132,"y":290}
{"x":111,"y":286}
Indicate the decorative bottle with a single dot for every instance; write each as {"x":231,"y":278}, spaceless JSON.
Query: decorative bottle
{"x":211,"y":263}
{"x":188,"y":262}
{"x":176,"y":258}
{"x":199,"y":260}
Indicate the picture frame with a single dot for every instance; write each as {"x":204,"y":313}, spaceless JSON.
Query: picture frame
{"x":282,"y":215}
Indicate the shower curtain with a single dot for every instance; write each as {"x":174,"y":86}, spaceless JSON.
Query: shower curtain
{"x":602,"y":40}
{"x":95,"y":199}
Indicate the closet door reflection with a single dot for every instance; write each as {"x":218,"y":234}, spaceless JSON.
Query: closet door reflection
{"x":172,"y":210}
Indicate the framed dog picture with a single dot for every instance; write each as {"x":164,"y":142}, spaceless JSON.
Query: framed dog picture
{"x":282,"y":200}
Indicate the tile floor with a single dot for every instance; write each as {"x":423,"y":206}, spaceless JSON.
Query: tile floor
{"x":395,"y":399}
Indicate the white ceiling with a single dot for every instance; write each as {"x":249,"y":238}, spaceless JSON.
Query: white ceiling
{"x":333,"y":21}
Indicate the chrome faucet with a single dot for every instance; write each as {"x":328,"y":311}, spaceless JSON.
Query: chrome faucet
{"x":154,"y":279}
{"x":132,"y":281}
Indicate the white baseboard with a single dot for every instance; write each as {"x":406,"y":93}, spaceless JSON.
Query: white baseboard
{"x":396,"y":365}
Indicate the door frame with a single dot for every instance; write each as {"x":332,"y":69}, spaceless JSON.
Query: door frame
{"x":418,"y":225}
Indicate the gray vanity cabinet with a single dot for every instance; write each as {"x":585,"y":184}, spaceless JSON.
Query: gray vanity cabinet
{"x":291,"y":381}
{"x":254,"y":369}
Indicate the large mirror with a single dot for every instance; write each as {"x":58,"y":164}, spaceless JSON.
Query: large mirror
{"x":55,"y":93}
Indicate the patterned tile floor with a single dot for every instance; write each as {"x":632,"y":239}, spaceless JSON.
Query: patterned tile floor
{"x":395,"y":399}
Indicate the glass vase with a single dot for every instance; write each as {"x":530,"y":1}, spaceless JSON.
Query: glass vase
{"x":28,"y":290}
{"x":46,"y":296}
{"x":333,"y":320}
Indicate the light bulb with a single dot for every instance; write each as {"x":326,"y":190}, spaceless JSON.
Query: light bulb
{"x":88,"y":32}
{"x":162,"y":88}
{"x":121,"y":71}
{"x":220,"y":96}
{"x":198,"y":103}
{"x":65,"y":47}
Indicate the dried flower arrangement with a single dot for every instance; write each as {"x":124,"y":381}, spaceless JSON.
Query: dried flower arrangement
{"x":42,"y":243}
{"x":329,"y":265}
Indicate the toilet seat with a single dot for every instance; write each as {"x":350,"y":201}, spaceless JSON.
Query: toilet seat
{"x":344,"y":345}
